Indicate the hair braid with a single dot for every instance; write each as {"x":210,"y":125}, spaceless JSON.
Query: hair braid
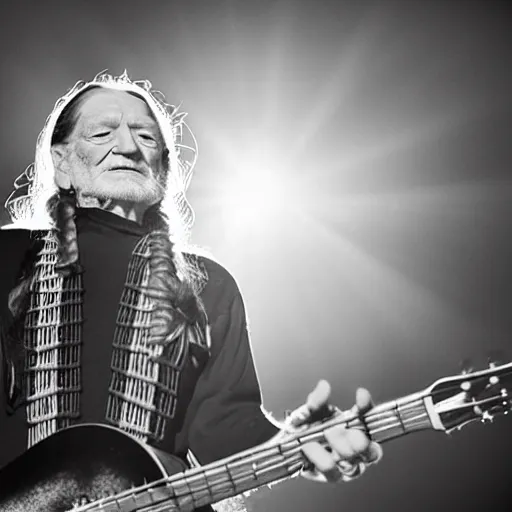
{"x":177,"y":305}
{"x":62,"y":208}
{"x":11,"y":335}
{"x":63,"y":213}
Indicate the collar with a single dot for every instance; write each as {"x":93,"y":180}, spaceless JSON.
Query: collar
{"x":91,"y":216}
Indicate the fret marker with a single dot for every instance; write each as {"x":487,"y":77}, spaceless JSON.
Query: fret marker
{"x":494,"y":380}
{"x":465,"y":386}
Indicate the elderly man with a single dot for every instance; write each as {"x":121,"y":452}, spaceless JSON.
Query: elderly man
{"x":109,"y":317}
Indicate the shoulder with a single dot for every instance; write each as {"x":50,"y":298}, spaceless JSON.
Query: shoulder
{"x":15,"y":243}
{"x":16,"y":249}
{"x":218,"y":275}
{"x":221,"y":290}
{"x":13,"y":238}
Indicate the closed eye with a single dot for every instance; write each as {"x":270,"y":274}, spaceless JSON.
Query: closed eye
{"x":148,"y":139}
{"x":147,"y":136}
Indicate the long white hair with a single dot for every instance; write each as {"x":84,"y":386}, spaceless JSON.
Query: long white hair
{"x":27,"y":204}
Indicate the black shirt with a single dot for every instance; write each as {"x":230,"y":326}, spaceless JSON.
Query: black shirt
{"x":220,"y":410}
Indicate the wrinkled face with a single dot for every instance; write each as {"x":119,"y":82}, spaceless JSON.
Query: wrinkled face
{"x":115,"y":150}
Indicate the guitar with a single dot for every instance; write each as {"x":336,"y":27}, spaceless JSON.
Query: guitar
{"x":119,"y":473}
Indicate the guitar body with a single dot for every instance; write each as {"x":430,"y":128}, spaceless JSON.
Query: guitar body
{"x":89,"y":462}
{"x":79,"y":464}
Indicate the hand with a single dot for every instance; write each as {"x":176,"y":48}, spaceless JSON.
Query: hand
{"x":349,"y":451}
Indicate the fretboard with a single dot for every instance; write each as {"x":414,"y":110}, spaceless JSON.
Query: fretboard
{"x":278,"y":459}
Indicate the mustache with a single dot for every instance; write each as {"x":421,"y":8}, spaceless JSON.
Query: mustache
{"x":130,"y":166}
{"x":142,"y":168}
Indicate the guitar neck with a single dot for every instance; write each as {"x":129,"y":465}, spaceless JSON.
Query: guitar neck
{"x":278,"y":459}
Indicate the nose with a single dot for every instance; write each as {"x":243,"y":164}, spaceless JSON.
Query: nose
{"x":125,"y":143}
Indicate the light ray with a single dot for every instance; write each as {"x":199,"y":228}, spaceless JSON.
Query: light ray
{"x":462,"y":199}
{"x":349,"y":70}
{"x":408,"y":306}
{"x":279,"y":45}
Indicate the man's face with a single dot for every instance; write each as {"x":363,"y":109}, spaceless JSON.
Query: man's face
{"x":115,"y":151}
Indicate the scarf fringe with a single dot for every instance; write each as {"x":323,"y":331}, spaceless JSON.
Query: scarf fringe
{"x":146,"y":366}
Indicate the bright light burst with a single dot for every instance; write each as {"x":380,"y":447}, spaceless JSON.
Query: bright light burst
{"x":256,"y":195}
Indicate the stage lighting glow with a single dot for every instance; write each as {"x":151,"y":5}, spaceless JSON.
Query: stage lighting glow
{"x":255,"y":194}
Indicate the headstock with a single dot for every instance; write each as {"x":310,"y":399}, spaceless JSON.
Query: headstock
{"x":453,"y":402}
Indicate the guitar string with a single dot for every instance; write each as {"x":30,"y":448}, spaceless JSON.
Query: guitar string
{"x":377,"y":422}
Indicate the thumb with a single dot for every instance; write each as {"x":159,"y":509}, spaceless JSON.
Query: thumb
{"x":319,"y":396}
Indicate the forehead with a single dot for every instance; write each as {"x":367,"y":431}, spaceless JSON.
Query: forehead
{"x":104,"y":102}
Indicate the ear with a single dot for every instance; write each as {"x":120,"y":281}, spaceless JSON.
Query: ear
{"x":61,"y":165}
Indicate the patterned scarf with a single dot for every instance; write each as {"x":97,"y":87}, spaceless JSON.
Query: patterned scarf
{"x":145,"y":375}
{"x":146,"y":369}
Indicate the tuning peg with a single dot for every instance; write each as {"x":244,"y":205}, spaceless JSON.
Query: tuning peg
{"x":466,"y":366}
{"x":465,"y":386}
{"x":496,"y":357}
{"x":494,"y":380}
{"x":487,"y":417}
{"x":507,"y":405}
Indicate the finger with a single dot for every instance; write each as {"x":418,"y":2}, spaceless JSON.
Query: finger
{"x":373,"y":453}
{"x":365,"y":450}
{"x":363,"y":400}
{"x":299,"y":416}
{"x":349,"y":444}
{"x":319,"y":396}
{"x":322,"y":460}
{"x":338,"y":442}
{"x":353,"y":445}
{"x":351,"y":471}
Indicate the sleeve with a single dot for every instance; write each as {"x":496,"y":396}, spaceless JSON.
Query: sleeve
{"x":225,"y":415}
{"x":14,"y":245}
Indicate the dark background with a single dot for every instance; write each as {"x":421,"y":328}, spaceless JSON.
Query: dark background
{"x":378,"y":251}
